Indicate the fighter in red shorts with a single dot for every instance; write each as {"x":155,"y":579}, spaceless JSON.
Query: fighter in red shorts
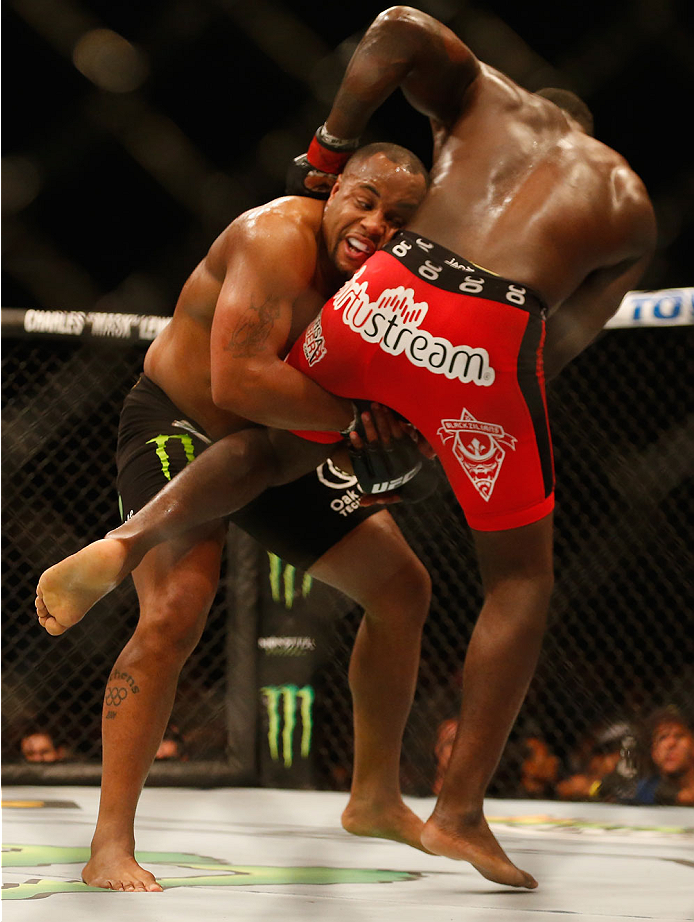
{"x":519,"y":186}
{"x":457,"y":351}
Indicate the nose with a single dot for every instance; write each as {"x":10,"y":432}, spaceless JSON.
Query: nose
{"x":375,"y":224}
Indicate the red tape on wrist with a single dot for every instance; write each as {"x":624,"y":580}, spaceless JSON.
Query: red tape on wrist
{"x":329,"y":161}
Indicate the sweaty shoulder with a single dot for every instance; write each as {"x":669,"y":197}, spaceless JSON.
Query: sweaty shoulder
{"x":283,"y":233}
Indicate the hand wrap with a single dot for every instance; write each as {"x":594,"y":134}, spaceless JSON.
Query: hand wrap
{"x":313,"y":174}
{"x":391,"y":468}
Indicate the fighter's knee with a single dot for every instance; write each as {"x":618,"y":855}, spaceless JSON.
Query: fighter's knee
{"x":417,"y":582}
{"x":163,"y":641}
{"x":406,"y":591}
{"x":530,"y":593}
{"x":170,"y":627}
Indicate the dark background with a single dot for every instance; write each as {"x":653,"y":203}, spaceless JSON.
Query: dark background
{"x":113,"y":194}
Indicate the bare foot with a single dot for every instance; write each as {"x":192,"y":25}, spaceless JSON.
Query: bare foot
{"x":475,"y":842}
{"x":115,"y":869}
{"x":396,"y":822}
{"x":67,"y":590}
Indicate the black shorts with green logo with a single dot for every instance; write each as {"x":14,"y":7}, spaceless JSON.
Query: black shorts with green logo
{"x":298,"y":522}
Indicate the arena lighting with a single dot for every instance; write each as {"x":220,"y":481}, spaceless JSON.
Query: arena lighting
{"x":109,"y":61}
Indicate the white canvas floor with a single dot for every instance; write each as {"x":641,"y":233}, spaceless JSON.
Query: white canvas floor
{"x":246,"y":854}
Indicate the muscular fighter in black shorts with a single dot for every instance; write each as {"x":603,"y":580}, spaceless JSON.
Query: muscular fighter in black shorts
{"x":218,"y":363}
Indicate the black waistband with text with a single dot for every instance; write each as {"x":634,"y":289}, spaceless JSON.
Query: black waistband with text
{"x":445,"y":269}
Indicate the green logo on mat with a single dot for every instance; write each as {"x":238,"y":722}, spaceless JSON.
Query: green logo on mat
{"x":283,"y":702}
{"x":220,"y":873}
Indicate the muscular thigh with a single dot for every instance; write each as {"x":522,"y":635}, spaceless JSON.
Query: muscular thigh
{"x":373,"y":556}
{"x":302,"y":520}
{"x":176,"y":581}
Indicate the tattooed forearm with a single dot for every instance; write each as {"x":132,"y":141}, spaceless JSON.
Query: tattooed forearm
{"x":253,"y":329}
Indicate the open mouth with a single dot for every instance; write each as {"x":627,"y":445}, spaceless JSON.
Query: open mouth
{"x":358,"y":248}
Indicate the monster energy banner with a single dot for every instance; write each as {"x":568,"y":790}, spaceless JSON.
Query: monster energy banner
{"x":288,"y":645}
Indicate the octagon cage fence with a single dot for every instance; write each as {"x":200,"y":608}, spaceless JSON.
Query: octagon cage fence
{"x":264,"y":698}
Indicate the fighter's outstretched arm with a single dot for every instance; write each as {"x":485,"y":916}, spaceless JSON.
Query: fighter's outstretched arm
{"x":404,"y":48}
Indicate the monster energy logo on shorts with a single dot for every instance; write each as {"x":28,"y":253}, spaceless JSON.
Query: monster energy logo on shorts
{"x":282,"y":703}
{"x":186,"y":441}
{"x":283,"y":584}
{"x":160,"y":442}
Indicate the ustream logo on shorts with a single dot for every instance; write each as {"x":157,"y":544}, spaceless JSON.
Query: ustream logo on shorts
{"x":393,"y":322}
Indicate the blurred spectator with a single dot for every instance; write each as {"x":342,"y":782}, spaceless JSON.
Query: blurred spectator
{"x":671,"y":749}
{"x":37,"y":746}
{"x":539,"y":768}
{"x":172,"y":747}
{"x":602,"y":759}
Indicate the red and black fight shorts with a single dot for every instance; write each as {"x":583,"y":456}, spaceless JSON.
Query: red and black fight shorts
{"x":456,"y":350}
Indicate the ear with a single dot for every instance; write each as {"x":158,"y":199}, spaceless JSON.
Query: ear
{"x":336,"y":186}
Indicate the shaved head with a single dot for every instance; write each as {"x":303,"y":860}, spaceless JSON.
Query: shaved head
{"x":398,"y":155}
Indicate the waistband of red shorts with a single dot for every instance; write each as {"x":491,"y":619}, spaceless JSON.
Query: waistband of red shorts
{"x":446,"y":270}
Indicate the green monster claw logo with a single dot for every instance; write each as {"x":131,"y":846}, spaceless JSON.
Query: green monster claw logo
{"x":160,"y":442}
{"x":282,"y":585}
{"x":221,"y":874}
{"x":292,"y":698}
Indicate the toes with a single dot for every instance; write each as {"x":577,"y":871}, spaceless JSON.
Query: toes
{"x":104,"y":883}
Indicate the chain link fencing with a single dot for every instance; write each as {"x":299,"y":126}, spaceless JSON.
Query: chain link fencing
{"x":264,"y":698}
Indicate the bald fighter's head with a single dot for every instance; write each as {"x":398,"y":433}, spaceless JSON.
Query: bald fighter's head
{"x":378,"y":192}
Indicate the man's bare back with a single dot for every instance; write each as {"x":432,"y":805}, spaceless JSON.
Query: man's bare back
{"x":518,"y":186}
{"x":568,"y":197}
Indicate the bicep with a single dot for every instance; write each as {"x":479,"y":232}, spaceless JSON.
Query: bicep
{"x":252,"y":318}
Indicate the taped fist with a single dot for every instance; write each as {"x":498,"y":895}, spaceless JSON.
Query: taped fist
{"x":387,"y":462}
{"x":313,"y":174}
